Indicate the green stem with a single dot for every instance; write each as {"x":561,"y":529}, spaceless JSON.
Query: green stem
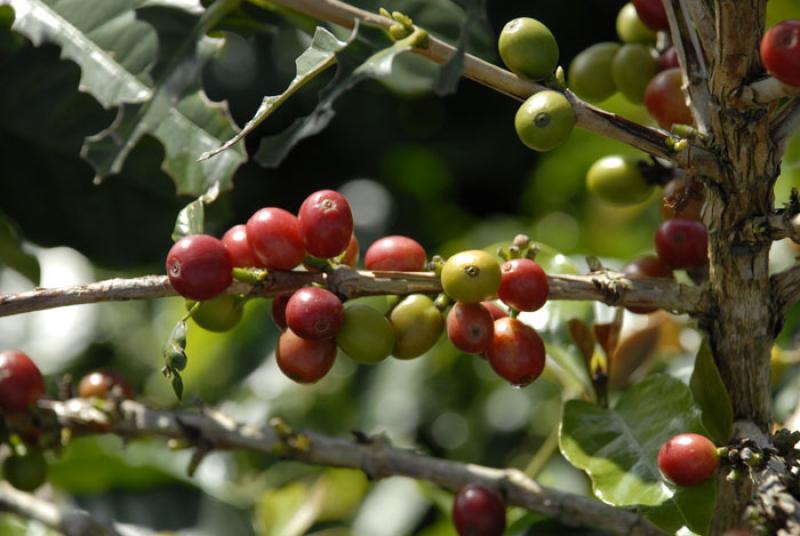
{"x":543,"y":455}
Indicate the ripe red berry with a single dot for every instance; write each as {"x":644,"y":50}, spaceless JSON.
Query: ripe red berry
{"x":665,"y":101}
{"x":652,"y":13}
{"x":780,"y":52}
{"x":523,"y":285}
{"x":470,"y":327}
{"x":682,"y":243}
{"x":350,"y":255}
{"x":100,"y":384}
{"x":495,"y":310}
{"x":304,"y":360}
{"x":516,"y":352}
{"x":395,"y":253}
{"x":643,"y":267}
{"x":21,"y":382}
{"x":314,"y":313}
{"x":235,"y":241}
{"x":669,"y":59}
{"x":479,"y":511}
{"x":326,"y":223}
{"x":276,"y":238}
{"x":279,"y":310}
{"x":688,"y":459}
{"x":199,"y":267}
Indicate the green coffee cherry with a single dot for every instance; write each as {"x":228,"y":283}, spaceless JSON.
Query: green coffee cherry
{"x":545,"y":120}
{"x":633,"y":68}
{"x":417,"y":326}
{"x":366,"y":335}
{"x":618,"y":180}
{"x":590,"y":75}
{"x":471,"y":276}
{"x":528,"y":48}
{"x":631,"y":29}
{"x":221,"y":313}
{"x":26,"y":471}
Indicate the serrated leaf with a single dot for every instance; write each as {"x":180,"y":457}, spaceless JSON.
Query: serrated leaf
{"x":16,"y":258}
{"x":319,"y":55}
{"x":618,"y":448}
{"x":711,"y":396}
{"x":368,"y":54}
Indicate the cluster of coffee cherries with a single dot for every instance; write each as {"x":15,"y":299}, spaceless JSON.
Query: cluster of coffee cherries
{"x":21,"y":387}
{"x":314,"y":321}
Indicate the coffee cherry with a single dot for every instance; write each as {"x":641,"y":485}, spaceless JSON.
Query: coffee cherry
{"x":688,"y":459}
{"x":470,"y":327}
{"x":102,"y":383}
{"x":199,"y":267}
{"x":652,"y":14}
{"x":516,"y":352}
{"x":590,"y":75}
{"x":780,"y":52}
{"x":398,"y":253}
{"x":682,"y":243}
{"x":545,"y":120}
{"x":276,"y":238}
{"x":479,"y":511}
{"x":495,"y":310}
{"x":21,"y":383}
{"x":326,"y":223}
{"x":644,"y":267}
{"x":665,"y":100}
{"x":366,"y":335}
{"x":631,"y":29}
{"x":669,"y":59}
{"x":619,"y":180}
{"x":314,"y":313}
{"x":304,"y":360}
{"x":471,"y":276}
{"x":633,"y":68}
{"x":528,"y":48}
{"x":218,"y":314}
{"x":26,"y":471}
{"x":683,"y":198}
{"x":350,"y":255}
{"x":279,"y":310}
{"x":523,"y":285}
{"x":417,"y":325}
{"x":235,"y":241}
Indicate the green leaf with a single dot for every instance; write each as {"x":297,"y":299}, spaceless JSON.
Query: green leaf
{"x":451,"y":71}
{"x":319,"y":55}
{"x":368,"y":54}
{"x":618,"y":449}
{"x":13,"y":256}
{"x":177,"y":385}
{"x":191,"y":219}
{"x":711,"y":395}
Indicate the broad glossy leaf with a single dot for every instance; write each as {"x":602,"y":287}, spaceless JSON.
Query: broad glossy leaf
{"x":711,"y":395}
{"x":618,"y":447}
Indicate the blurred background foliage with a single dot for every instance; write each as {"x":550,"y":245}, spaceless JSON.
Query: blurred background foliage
{"x":448,"y":171}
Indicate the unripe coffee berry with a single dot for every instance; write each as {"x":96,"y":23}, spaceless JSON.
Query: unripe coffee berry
{"x":199,"y":267}
{"x":26,"y":471}
{"x":471,"y":276}
{"x":545,"y":120}
{"x":528,"y":48}
{"x":101,"y":384}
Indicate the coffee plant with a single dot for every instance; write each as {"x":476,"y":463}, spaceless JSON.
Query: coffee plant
{"x":576,"y":313}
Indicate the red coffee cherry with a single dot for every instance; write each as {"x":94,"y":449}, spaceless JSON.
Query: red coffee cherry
{"x":314,"y":313}
{"x":326,"y":223}
{"x":470,"y":327}
{"x":100,"y":383}
{"x":479,"y":511}
{"x":665,"y":101}
{"x":304,"y":360}
{"x":682,"y":243}
{"x":653,"y":14}
{"x":688,"y":459}
{"x":279,"y":303}
{"x":235,"y":241}
{"x":199,"y":267}
{"x":276,"y":238}
{"x":350,"y":255}
{"x":644,"y":267}
{"x":516,"y":352}
{"x":669,"y":59}
{"x":523,"y":285}
{"x":780,"y":52}
{"x":21,"y":382}
{"x":398,"y":253}
{"x":495,"y":310}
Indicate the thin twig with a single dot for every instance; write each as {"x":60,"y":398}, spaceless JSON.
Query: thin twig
{"x":650,"y":140}
{"x":375,"y":456}
{"x":607,"y":287}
